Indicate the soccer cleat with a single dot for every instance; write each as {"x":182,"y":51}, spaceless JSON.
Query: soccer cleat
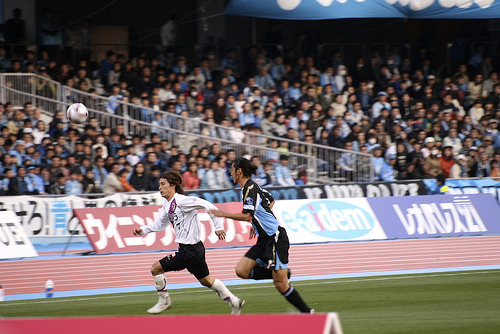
{"x":311,"y":311}
{"x":288,"y":276}
{"x":236,"y":308}
{"x":163,"y":304}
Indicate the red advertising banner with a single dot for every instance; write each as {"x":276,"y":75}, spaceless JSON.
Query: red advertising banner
{"x":322,"y":323}
{"x":110,"y":229}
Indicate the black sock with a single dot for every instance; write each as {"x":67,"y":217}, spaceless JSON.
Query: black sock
{"x":261,"y":273}
{"x":294,"y":298}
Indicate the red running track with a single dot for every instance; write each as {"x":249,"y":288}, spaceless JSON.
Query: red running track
{"x":125,"y":270}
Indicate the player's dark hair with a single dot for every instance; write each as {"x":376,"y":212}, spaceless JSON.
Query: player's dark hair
{"x":246,"y":166}
{"x":175,"y":178}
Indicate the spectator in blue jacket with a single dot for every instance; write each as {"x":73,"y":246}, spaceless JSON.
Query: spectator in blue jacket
{"x":388,"y":173}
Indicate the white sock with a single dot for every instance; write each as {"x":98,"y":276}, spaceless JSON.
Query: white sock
{"x":224,"y":292}
{"x":161,"y":284}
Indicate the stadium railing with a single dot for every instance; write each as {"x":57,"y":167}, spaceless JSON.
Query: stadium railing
{"x":319,"y":161}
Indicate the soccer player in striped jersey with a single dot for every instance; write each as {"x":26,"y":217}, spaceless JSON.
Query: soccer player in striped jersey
{"x":268,"y":258}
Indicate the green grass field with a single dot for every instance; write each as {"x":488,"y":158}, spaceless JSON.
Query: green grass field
{"x":459,"y":302}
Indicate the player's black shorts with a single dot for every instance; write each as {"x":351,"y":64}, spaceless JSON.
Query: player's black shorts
{"x":271,"y":253}
{"x":190,"y":257}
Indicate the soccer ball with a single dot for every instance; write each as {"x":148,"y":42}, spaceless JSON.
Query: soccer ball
{"x":77,"y":113}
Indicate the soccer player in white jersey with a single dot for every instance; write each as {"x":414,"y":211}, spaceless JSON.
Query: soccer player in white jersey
{"x":182,"y":212}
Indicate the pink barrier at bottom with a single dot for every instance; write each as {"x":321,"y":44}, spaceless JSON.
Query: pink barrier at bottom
{"x":324,"y":323}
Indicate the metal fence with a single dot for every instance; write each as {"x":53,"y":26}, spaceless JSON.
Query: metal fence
{"x":320,"y":162}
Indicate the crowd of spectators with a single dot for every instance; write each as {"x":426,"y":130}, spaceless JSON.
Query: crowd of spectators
{"x":415,"y":121}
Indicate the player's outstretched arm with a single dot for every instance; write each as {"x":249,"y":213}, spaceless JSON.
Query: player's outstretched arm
{"x":235,"y":216}
{"x":221,"y":234}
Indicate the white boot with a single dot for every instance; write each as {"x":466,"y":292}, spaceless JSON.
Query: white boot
{"x":164,"y":303}
{"x":237,"y":306}
{"x":226,"y":295}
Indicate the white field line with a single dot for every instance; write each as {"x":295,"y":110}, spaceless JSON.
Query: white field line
{"x":302,"y":283}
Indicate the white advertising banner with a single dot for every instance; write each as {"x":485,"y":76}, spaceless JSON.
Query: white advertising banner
{"x":53,"y":216}
{"x":14,"y":242}
{"x":325,"y":220}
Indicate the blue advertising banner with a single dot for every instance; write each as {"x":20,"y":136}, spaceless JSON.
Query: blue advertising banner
{"x":468,"y":186}
{"x":437,"y":216}
{"x":341,"y":9}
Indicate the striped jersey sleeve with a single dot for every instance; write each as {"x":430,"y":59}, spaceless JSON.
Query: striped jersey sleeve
{"x":257,"y":203}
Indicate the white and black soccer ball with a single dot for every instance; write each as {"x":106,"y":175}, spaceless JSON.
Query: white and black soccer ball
{"x":77,"y":113}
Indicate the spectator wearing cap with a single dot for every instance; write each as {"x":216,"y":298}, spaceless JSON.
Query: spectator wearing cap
{"x":388,"y":172}
{"x":18,"y":151}
{"x":487,"y":145}
{"x":33,"y":173}
{"x":459,"y":169}
{"x":379,"y":105}
{"x":433,"y":163}
{"x":472,"y":157}
{"x":32,"y":154}
{"x":482,"y":168}
{"x":429,"y":145}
